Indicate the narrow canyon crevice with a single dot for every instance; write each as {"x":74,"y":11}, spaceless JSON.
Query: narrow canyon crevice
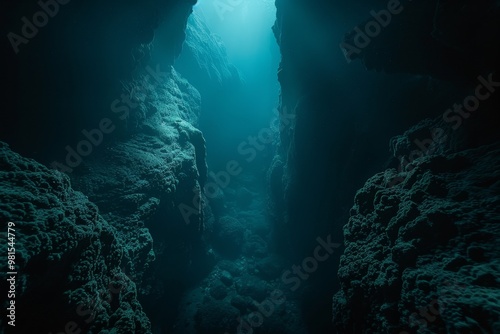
{"x":250,"y":166}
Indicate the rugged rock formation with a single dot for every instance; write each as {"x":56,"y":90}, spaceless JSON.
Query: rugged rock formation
{"x":422,"y":239}
{"x":150,"y":180}
{"x":70,"y":260}
{"x":89,"y":103}
{"x":324,"y":98}
{"x":422,"y":255}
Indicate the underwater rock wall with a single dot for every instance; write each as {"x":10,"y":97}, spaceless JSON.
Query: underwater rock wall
{"x":69,"y":258}
{"x":310,"y":117}
{"x":325,"y":143}
{"x":331,"y":137}
{"x":149,"y":181}
{"x":336,"y":119}
{"x":422,"y":252}
{"x":422,"y":238}
{"x":439,"y":55}
{"x":88,"y":102}
{"x":157,"y":162}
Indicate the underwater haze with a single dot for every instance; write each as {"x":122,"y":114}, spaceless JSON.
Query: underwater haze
{"x":242,"y":30}
{"x":250,"y":166}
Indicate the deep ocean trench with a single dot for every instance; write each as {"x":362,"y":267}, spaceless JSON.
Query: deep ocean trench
{"x":250,"y":166}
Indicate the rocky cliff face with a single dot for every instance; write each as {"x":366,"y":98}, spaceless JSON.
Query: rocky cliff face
{"x":149,"y":181}
{"x":408,"y":223}
{"x":118,"y":133}
{"x":422,"y":255}
{"x":422,"y":238}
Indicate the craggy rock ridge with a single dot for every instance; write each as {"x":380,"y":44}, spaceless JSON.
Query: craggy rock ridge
{"x":438,"y":54}
{"x":138,"y":181}
{"x":141,"y":183}
{"x":423,"y":255}
{"x":122,"y":129}
{"x":69,"y":258}
{"x":422,"y":239}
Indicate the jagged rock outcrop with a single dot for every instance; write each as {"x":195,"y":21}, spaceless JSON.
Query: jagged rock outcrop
{"x":422,"y":253}
{"x":144,"y":178}
{"x":69,"y":259}
{"x":86,"y":100}
{"x":138,"y":182}
{"x":150,"y":180}
{"x":450,"y":46}
{"x":422,"y":239}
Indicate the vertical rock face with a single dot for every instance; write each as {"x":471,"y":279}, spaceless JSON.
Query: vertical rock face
{"x":87,"y":102}
{"x":305,"y":176}
{"x":422,"y":241}
{"x":329,"y":140}
{"x":332,"y":139}
{"x":426,"y":210}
